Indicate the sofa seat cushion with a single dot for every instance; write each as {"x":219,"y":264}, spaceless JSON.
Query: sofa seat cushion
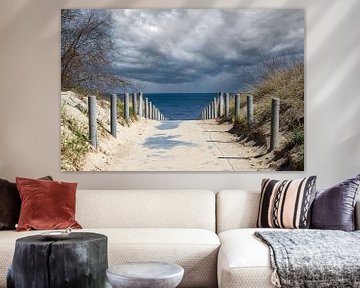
{"x":194,"y":249}
{"x":244,"y":261}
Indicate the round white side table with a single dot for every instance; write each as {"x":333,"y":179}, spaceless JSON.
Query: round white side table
{"x":145,"y":275}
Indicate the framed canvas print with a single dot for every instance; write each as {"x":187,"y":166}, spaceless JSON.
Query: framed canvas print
{"x":182,"y":89}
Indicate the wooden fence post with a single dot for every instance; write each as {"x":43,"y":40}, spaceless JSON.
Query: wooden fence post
{"x":146,"y":108}
{"x":141,"y":105}
{"x":250,"y":110}
{"x":227,"y":105}
{"x":92,"y":120}
{"x":126,"y":106}
{"x":221,"y":110}
{"x":150,"y":110}
{"x":211,"y":111}
{"x":275,"y":120}
{"x":134,"y":103}
{"x":215,"y":108}
{"x":113,"y":119}
{"x":237,"y":107}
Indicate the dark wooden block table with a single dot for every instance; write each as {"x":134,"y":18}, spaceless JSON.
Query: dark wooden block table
{"x":79,"y":261}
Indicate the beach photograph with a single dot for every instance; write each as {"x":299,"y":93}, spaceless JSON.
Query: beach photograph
{"x":182,"y":90}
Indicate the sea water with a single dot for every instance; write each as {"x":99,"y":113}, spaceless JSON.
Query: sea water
{"x":181,"y":106}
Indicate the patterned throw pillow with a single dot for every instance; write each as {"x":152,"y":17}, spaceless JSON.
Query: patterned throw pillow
{"x":286,"y":204}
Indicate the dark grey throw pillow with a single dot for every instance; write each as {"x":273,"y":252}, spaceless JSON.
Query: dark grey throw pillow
{"x":334,"y":208}
{"x":10,"y":204}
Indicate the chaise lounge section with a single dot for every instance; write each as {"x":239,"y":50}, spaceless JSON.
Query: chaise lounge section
{"x":244,"y":260}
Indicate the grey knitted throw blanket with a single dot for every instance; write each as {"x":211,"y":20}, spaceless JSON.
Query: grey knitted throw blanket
{"x":313,"y":258}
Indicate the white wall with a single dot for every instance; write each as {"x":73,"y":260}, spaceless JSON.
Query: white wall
{"x":30,"y":87}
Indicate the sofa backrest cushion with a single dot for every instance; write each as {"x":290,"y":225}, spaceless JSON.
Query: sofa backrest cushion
{"x":236,"y":209}
{"x":146,"y":209}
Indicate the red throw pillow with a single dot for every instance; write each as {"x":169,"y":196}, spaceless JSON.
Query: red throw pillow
{"x":46,"y":204}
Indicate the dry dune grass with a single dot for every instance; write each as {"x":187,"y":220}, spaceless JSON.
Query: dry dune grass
{"x":288,"y":85}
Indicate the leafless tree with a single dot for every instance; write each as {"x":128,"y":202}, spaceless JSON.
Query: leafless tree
{"x":88,"y":50}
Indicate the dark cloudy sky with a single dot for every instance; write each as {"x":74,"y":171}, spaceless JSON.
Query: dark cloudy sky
{"x":201,"y":50}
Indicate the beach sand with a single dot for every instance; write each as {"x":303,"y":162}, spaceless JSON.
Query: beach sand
{"x":191,"y":145}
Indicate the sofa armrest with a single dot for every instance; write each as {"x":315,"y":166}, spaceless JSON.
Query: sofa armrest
{"x":357,"y":215}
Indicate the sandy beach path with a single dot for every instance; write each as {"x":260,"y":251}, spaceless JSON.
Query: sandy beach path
{"x":192,"y":145}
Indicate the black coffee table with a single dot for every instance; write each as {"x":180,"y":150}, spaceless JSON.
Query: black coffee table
{"x":78,"y":261}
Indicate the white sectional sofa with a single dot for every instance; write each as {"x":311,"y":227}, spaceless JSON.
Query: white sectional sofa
{"x":163,"y":225}
{"x":177,"y":226}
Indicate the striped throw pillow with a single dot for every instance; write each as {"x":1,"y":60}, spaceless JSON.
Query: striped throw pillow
{"x":286,"y":204}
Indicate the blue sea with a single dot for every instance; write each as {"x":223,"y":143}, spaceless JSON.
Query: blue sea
{"x":180,"y":106}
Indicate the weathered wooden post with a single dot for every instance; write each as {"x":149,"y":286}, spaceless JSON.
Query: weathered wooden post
{"x":113,"y":117}
{"x":92,"y":120}
{"x":275,"y":120}
{"x":221,"y":109}
{"x":134,"y":103}
{"x":126,"y":106}
{"x":250,"y":110}
{"x":150,"y":110}
{"x":227,"y":105}
{"x":141,"y":105}
{"x":237,"y":107}
{"x":146,"y":108}
{"x":215,"y":108}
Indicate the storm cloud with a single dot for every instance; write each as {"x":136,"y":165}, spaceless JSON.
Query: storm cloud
{"x":201,"y":50}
